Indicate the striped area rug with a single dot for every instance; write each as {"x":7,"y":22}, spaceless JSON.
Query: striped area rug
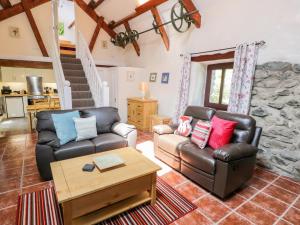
{"x":39,"y":208}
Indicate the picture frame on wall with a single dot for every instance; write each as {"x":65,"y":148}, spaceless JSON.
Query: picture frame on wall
{"x":165,"y":78}
{"x":152,"y":77}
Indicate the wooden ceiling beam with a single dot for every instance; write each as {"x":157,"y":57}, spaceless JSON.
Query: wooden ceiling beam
{"x":91,"y":13}
{"x":94,"y":4}
{"x":149,"y":5}
{"x":34,"y":27}
{"x":139,"y":11}
{"x":134,"y":43}
{"x":18,"y":8}
{"x":212,"y":57}
{"x":96,"y":33}
{"x":5,"y":4}
{"x":190,"y":7}
{"x":25,"y":64}
{"x":161,"y":29}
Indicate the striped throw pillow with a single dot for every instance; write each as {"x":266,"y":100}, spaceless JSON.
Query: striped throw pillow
{"x":200,"y":134}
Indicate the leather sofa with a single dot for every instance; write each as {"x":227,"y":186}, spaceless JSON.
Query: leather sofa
{"x":111,"y":135}
{"x":221,"y":171}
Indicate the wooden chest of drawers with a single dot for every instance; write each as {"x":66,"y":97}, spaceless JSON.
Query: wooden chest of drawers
{"x":139,"y":112}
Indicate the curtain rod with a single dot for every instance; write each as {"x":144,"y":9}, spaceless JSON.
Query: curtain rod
{"x":260,"y":43}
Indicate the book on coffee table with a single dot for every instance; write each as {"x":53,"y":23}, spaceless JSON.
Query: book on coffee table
{"x":108,"y":161}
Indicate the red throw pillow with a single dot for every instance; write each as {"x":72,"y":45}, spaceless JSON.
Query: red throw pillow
{"x":200,"y":134}
{"x":221,"y":133}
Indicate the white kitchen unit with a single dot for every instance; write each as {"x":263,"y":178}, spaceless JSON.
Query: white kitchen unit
{"x":12,"y":74}
{"x":14,"y":106}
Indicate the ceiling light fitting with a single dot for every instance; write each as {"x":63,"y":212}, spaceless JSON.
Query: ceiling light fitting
{"x":180,"y":19}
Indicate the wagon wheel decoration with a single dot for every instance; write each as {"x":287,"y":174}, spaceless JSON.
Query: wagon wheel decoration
{"x":121,"y":39}
{"x":132,"y":35}
{"x":180,"y":18}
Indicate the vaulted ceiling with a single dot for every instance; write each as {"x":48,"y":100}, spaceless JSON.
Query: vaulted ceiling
{"x":12,"y":8}
{"x":111,"y":14}
{"x":108,"y":15}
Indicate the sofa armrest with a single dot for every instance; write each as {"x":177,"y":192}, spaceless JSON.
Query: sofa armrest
{"x":48,"y":138}
{"x":164,"y":129}
{"x":234,"y":151}
{"x":44,"y":156}
{"x":256,"y":138}
{"x":126,"y":131}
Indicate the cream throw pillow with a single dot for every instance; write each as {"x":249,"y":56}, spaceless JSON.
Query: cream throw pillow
{"x":85,"y":128}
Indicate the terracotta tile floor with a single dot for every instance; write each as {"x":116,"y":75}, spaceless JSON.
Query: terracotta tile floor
{"x":266,"y":199}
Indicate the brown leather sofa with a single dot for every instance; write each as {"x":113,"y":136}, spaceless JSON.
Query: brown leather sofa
{"x":221,"y":171}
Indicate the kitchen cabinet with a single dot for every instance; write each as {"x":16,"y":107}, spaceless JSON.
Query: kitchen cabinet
{"x":11,"y":74}
{"x":14,"y":106}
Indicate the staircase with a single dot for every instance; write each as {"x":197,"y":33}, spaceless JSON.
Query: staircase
{"x":73,"y":71}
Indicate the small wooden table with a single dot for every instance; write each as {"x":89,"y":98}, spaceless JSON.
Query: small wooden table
{"x":91,"y":197}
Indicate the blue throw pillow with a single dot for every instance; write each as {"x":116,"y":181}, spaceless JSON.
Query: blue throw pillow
{"x":65,"y":126}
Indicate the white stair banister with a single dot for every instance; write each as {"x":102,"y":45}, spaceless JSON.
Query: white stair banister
{"x":99,"y":89}
{"x":63,"y":86}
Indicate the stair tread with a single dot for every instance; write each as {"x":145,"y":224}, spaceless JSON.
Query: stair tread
{"x":81,"y":92}
{"x":83,"y":99}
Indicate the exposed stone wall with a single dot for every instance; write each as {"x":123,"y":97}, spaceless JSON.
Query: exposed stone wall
{"x":275,"y":105}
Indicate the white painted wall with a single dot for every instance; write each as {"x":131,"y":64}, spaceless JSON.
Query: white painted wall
{"x":110,"y":56}
{"x":224,"y":24}
{"x":66,"y":15}
{"x":121,"y":87}
{"x":26,"y":45}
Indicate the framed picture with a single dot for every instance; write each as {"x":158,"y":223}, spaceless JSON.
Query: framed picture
{"x":165,"y":78}
{"x":130,"y":76}
{"x":152,"y":77}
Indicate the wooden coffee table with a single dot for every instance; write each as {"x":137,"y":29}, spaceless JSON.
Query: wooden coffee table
{"x":90,"y":197}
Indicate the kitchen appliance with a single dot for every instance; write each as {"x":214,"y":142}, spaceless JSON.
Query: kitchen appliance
{"x":14,"y":106}
{"x":34,"y":85}
{"x":5,"y":90}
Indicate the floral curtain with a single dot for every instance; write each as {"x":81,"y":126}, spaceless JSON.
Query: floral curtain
{"x":184,"y":88}
{"x":242,"y":78}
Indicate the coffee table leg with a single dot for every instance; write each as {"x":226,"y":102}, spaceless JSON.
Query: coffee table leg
{"x":153,"y":189}
{"x":67,"y":213}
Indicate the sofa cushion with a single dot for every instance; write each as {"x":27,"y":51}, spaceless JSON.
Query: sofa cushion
{"x":65,"y":126}
{"x":44,"y":119}
{"x":74,"y":149}
{"x":171,"y":142}
{"x":85,"y":128}
{"x":221,"y":132}
{"x":199,"y":158}
{"x":199,"y":113}
{"x":108,"y":141}
{"x":48,"y":138}
{"x":105,"y":117}
{"x":245,"y":128}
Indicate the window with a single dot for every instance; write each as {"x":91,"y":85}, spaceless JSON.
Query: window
{"x":218,"y":84}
